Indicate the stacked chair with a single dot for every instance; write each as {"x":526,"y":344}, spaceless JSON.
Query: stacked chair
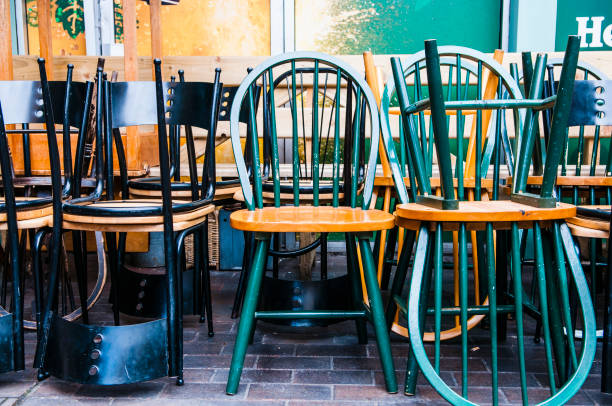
{"x":117,"y":354}
{"x":469,"y":72}
{"x":23,"y":214}
{"x":429,"y":216}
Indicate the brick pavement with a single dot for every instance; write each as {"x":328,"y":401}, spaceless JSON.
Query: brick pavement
{"x":320,"y":366}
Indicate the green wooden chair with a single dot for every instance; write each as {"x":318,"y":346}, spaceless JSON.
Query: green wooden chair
{"x":430,"y":216}
{"x":347,"y":99}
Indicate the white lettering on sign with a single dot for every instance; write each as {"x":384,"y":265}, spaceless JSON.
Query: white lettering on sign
{"x":594,"y":31}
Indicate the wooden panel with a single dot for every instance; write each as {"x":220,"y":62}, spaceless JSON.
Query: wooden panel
{"x":156,"y":29}
{"x":6,"y":46}
{"x":130,"y":55}
{"x":45,"y":36}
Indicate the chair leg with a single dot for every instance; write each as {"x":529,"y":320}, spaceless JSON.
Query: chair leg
{"x":400,"y":276}
{"x":518,"y":304}
{"x":416,"y":315}
{"x":378,"y":315}
{"x":323,"y":256}
{"x":354,"y":279}
{"x":37,"y":275}
{"x":81,"y":271}
{"x":388,"y":258}
{"x":198,"y":292}
{"x":111,"y":244}
{"x":248,"y":313}
{"x":206,"y":281}
{"x":501,"y":281}
{"x":244,"y":274}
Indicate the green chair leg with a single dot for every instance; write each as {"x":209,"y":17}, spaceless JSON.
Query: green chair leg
{"x":354,"y":278}
{"x":248,"y":313}
{"x":378,"y":315}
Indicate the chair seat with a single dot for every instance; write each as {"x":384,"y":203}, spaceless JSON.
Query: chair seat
{"x":183,"y":193}
{"x":311,"y":219}
{"x":494,"y":211}
{"x":585,"y":226}
{"x":132,"y":215}
{"x":28,"y":208}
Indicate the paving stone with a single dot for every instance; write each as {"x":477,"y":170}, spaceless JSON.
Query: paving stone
{"x":333,"y":377}
{"x":15,"y":389}
{"x":294,"y":362}
{"x":332,"y":350}
{"x":256,"y":375}
{"x":537,"y":395}
{"x":294,"y":391}
{"x":205,"y":391}
{"x":264,"y":349}
{"x":599,"y":398}
{"x":214,"y":361}
{"x":348,"y":392}
{"x":49,"y":401}
{"x":135,"y":390}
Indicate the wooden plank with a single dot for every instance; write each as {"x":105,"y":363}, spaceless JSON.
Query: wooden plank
{"x":156,"y":29}
{"x":45,"y":35}
{"x":6,"y":46}
{"x":130,"y":48}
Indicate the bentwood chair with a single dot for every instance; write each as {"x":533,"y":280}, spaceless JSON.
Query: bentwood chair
{"x":24,"y":213}
{"x":501,"y":221}
{"x":108,"y":355}
{"x":70,"y":102}
{"x":348,"y":99}
{"x":469,"y":74}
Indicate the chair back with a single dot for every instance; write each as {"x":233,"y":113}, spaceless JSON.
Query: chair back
{"x":325,"y":115}
{"x":193,"y":104}
{"x":23,"y":104}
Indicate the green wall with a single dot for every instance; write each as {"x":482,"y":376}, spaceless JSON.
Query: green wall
{"x":569,"y":10}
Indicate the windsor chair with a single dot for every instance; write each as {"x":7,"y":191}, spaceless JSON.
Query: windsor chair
{"x":501,"y":220}
{"x":108,"y":355}
{"x":335,"y":201}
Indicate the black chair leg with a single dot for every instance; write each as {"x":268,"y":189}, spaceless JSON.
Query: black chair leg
{"x":80,"y":261}
{"x":111,"y":244}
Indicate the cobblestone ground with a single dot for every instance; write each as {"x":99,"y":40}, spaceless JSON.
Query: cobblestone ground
{"x":321,"y":366}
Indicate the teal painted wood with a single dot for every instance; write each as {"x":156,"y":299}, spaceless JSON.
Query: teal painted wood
{"x":353,"y":171}
{"x":552,"y":291}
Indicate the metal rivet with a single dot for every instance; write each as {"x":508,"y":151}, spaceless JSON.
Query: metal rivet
{"x":600,"y":102}
{"x":39,"y":90}
{"x":141,"y":294}
{"x":139,"y":306}
{"x":93,"y":370}
{"x":297,"y":290}
{"x":98,"y":339}
{"x":40,"y":102}
{"x":39,"y":113}
{"x":143,"y":283}
{"x":95,"y":354}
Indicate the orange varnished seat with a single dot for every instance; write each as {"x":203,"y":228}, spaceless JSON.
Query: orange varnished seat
{"x":121,"y":223}
{"x":311,"y":219}
{"x":498,"y":212}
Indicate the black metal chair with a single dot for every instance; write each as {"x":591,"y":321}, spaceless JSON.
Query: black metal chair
{"x":26,"y":213}
{"x":108,"y":355}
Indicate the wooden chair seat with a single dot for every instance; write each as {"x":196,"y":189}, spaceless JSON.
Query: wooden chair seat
{"x":28,"y":208}
{"x":183,"y":192}
{"x":585,"y":226}
{"x":311,"y":219}
{"x":493,"y":211}
{"x":143,"y":215}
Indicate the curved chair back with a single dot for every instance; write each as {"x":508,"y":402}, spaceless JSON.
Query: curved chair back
{"x":325,"y":111}
{"x":70,"y":103}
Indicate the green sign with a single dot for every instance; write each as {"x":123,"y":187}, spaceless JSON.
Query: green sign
{"x":591,"y":19}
